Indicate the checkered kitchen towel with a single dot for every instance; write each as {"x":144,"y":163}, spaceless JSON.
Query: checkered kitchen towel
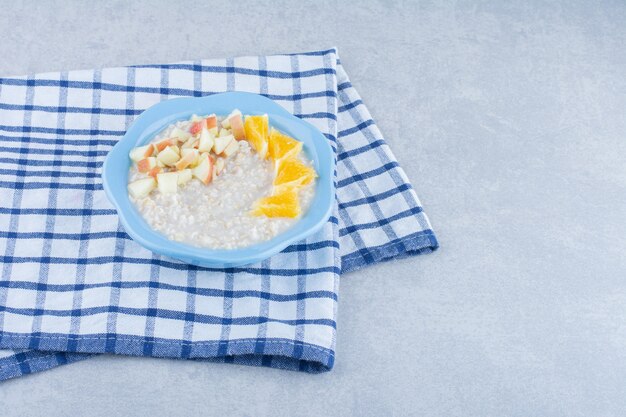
{"x":73,"y":283}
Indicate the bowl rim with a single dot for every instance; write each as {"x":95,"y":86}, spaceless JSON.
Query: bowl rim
{"x":157,"y":117}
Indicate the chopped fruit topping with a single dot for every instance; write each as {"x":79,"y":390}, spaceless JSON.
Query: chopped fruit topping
{"x":202,"y":153}
{"x":189,"y":157}
{"x":257,"y":131}
{"x":168,"y":182}
{"x":196,"y":128}
{"x":282,"y":146}
{"x":162,"y":144}
{"x":226,"y":121}
{"x":211,"y":124}
{"x":180,"y":134}
{"x":219,"y":166}
{"x":284,"y":204}
{"x":169,"y":156}
{"x":221,"y":143}
{"x":141,"y":152}
{"x":205,"y":144}
{"x":141,"y":188}
{"x":155,"y":171}
{"x":204,"y":170}
{"x":146,"y":164}
{"x":292,"y":172}
{"x":190,"y":142}
{"x":236,"y":125}
{"x":184,"y":176}
{"x":231,"y":149}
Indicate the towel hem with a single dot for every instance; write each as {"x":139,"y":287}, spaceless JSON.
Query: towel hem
{"x":415,"y":244}
{"x":53,"y":351}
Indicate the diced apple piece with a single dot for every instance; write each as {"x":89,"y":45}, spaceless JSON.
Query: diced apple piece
{"x":196,"y":127}
{"x":205,"y":144}
{"x":141,"y":152}
{"x":190,"y":142}
{"x":146,"y":164}
{"x":236,"y":125}
{"x":224,"y":132}
{"x":160,"y":164}
{"x":204,"y":170}
{"x":155,"y":171}
{"x":232,"y":147}
{"x":141,"y":188}
{"x":221,"y":143}
{"x":184,"y":176}
{"x":206,"y":155}
{"x":211,"y":124}
{"x":188,"y":151}
{"x":227,"y":122}
{"x":180,"y":134}
{"x":189,"y":157}
{"x":162,"y":144}
{"x":219,"y":166}
{"x":169,"y":156}
{"x":168,"y":182}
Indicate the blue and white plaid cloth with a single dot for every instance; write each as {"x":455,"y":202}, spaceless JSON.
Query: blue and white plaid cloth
{"x":74,"y":284}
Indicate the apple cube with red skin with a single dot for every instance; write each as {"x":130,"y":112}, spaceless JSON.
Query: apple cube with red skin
{"x":155,"y":171}
{"x":141,"y":188}
{"x":196,"y":127}
{"x":211,"y":124}
{"x":162,"y":144}
{"x":141,"y":152}
{"x":168,"y":182}
{"x":221,"y":143}
{"x":236,"y":125}
{"x":204,"y":170}
{"x":169,"y":156}
{"x":146,"y":164}
{"x":188,"y":158}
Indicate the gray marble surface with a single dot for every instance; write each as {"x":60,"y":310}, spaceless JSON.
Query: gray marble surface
{"x":510,"y":120}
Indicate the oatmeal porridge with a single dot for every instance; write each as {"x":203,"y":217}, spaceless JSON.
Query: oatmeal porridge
{"x":221,"y":182}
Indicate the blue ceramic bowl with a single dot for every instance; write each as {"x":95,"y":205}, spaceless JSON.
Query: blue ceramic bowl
{"x":159,"y":116}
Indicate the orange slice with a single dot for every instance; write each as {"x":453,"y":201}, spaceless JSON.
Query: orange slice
{"x":284,"y":204}
{"x":282,"y":146}
{"x":293,"y":173}
{"x":257,"y":132}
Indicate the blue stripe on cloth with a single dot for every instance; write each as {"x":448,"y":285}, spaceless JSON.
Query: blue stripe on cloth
{"x":96,"y":291}
{"x":159,"y":262}
{"x":151,"y":90}
{"x":208,"y":292}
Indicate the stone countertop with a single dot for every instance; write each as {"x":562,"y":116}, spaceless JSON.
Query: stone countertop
{"x":509,"y":119}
